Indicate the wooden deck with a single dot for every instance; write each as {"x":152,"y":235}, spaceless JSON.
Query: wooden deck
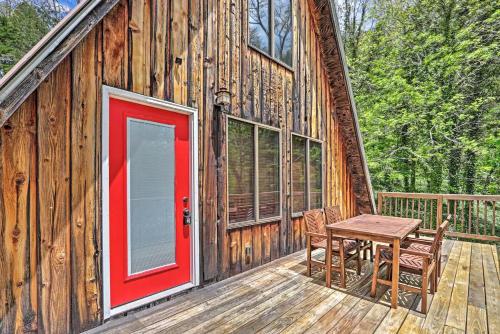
{"x":279,"y":298}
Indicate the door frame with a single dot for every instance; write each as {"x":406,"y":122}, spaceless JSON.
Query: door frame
{"x":107,"y":93}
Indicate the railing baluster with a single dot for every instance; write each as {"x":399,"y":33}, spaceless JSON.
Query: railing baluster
{"x":493,"y":224}
{"x":401,"y":208}
{"x":425,"y":213}
{"x":412,"y":207}
{"x":463,"y":219}
{"x":418,"y":208}
{"x":477,"y":217}
{"x":432,"y":211}
{"x":469,"y":223}
{"x":455,"y":215}
{"x":485,"y":219}
{"x":407,"y":207}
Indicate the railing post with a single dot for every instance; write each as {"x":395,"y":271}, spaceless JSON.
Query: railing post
{"x":380,"y":198}
{"x":439,"y":213}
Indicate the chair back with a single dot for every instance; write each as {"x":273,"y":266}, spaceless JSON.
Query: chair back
{"x":438,"y":238}
{"x":333,"y":215}
{"x":315,"y":223}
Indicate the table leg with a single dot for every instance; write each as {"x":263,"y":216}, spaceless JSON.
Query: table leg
{"x":395,"y":274}
{"x":342,"y":263}
{"x":328,"y":259}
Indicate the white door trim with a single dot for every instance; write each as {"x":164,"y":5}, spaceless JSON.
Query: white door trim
{"x":108,"y":92}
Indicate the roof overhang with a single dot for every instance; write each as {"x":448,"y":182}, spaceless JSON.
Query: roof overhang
{"x":42,"y":59}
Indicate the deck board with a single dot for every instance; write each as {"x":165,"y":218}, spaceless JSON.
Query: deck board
{"x":279,"y":298}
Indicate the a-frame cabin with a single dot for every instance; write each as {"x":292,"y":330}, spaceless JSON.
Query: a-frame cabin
{"x":150,"y":146}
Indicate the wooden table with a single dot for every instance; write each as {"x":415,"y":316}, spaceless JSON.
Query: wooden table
{"x":385,"y":229}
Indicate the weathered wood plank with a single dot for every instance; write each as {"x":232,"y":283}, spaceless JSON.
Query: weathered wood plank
{"x":18,"y":188}
{"x":436,"y":316}
{"x":492,"y":289}
{"x":210,"y":148}
{"x":180,"y":49}
{"x":246,"y":248}
{"x":115,"y":46}
{"x":54,"y":102}
{"x":457,"y":312}
{"x":86,"y":310}
{"x":140,"y":47}
{"x":160,"y":46}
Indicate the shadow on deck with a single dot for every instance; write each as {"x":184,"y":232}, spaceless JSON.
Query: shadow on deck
{"x":279,"y":298}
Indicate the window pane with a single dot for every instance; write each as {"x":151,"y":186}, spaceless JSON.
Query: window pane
{"x":269,"y":173}
{"x":151,"y":218}
{"x":315,"y":179}
{"x":241,"y":169}
{"x":283,"y":31}
{"x":298,"y":174}
{"x":258,"y":24}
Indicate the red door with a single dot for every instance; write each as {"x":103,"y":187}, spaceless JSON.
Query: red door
{"x":149,"y":173}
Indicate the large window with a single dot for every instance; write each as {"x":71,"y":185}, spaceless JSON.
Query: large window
{"x":253,"y":173}
{"x":270,"y":28}
{"x":307,"y":174}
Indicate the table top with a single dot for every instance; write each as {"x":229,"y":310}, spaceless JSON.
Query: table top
{"x":374,"y":227}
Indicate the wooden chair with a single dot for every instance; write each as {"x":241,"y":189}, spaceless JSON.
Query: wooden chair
{"x":316,"y":239}
{"x":417,"y":256}
{"x":333,"y":215}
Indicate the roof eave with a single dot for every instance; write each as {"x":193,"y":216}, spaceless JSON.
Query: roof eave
{"x":359,"y":136}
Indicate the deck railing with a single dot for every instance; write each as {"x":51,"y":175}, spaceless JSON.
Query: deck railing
{"x":473,"y":216}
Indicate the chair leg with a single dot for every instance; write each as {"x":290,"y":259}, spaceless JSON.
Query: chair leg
{"x":425,"y":285}
{"x":433,"y":281}
{"x":375,"y":274}
{"x":309,"y":256}
{"x":358,"y":260}
{"x":371,"y":250}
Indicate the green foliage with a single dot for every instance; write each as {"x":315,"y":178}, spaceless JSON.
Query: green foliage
{"x":426,"y":83}
{"x":22,"y":25}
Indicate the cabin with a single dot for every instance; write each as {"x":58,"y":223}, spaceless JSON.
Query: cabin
{"x":151,"y":147}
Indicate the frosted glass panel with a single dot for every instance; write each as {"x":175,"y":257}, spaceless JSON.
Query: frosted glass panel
{"x":151,"y":216}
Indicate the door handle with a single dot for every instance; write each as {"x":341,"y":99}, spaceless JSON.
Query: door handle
{"x":186,"y":217}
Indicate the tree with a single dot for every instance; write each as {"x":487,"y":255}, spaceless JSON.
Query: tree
{"x":425,"y":77}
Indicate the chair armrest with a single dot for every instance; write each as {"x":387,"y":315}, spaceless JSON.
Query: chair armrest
{"x":419,"y":241}
{"x":317,"y":235}
{"x":407,"y":251}
{"x":426,"y":231}
{"x":424,"y":255}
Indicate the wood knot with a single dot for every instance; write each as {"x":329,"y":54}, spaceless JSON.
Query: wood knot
{"x":61,"y":257}
{"x":16,"y":232}
{"x":7,"y":127}
{"x":20,"y":178}
{"x":52,"y":119}
{"x":19,"y":284}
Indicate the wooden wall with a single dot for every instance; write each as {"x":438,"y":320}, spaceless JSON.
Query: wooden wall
{"x":50,"y":177}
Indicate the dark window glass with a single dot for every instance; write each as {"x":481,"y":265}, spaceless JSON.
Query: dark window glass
{"x":283,"y":31}
{"x":258,"y":24}
{"x":299,"y":200}
{"x":241,"y":171}
{"x":315,"y":175}
{"x":269,"y":173}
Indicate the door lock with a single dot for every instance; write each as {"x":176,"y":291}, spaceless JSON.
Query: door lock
{"x":186,"y":216}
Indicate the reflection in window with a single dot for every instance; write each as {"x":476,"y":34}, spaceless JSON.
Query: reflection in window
{"x":283,"y":30}
{"x":269,"y":173}
{"x":250,"y":145}
{"x":258,"y":21}
{"x":299,"y":200}
{"x":263,"y":35}
{"x":315,"y":176}
{"x":307,"y":174}
{"x":241,"y":170}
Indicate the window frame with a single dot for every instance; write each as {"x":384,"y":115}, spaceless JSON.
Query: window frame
{"x":296,"y":214}
{"x":256,"y":220}
{"x":270,"y":54}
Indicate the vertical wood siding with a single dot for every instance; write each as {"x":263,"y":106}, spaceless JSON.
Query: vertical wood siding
{"x":184,"y":51}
